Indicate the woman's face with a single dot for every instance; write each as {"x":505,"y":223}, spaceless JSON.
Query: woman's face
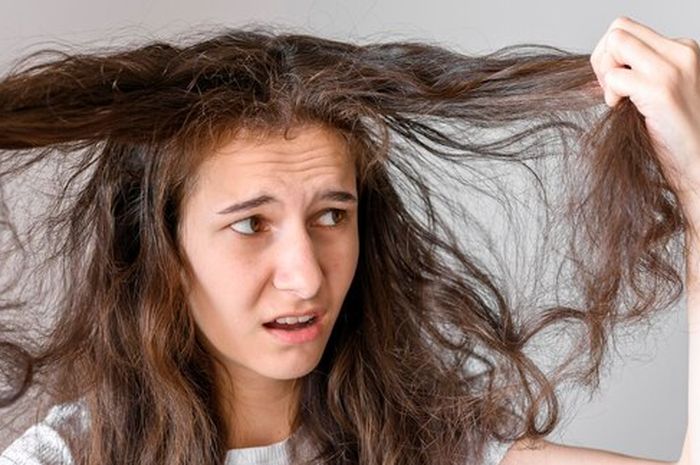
{"x":289,"y":247}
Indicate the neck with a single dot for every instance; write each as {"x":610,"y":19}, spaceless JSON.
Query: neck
{"x":258,"y":411}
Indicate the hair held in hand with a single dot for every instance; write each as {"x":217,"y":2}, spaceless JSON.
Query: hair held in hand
{"x":434,"y":352}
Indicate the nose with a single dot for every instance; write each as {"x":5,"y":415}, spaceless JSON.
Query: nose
{"x":297,"y":268}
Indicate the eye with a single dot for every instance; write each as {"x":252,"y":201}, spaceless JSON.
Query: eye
{"x":340,"y":215}
{"x":253,"y":220}
{"x":252,"y":224}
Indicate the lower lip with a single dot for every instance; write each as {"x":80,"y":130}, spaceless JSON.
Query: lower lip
{"x":298,"y":336}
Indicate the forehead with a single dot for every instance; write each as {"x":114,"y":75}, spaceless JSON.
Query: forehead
{"x":305,"y":154}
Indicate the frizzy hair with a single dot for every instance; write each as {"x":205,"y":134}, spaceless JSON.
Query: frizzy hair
{"x":397,"y":382}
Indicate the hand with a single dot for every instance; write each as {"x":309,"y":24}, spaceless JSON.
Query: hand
{"x":661,"y":76}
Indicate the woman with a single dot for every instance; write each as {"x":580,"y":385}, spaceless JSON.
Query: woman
{"x":242,"y":280}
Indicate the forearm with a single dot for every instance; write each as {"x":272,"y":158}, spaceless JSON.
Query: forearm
{"x":691,"y":446}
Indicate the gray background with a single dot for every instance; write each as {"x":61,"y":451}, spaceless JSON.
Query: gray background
{"x":641,"y":409}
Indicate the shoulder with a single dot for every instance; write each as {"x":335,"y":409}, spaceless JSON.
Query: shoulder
{"x":531,"y":452}
{"x":527,"y":452}
{"x":43,"y":443}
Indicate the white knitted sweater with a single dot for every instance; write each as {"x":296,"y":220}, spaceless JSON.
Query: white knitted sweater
{"x":42,"y":444}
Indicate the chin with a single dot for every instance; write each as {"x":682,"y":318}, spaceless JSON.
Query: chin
{"x":297,"y":370}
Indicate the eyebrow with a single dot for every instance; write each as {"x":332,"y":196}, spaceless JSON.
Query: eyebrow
{"x":338,"y":196}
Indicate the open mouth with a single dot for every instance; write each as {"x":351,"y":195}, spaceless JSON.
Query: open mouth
{"x":290,"y":326}
{"x":296,"y":333}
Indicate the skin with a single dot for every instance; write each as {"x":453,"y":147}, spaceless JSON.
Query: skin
{"x":254,"y":265}
{"x":661,"y":76}
{"x":238,"y":283}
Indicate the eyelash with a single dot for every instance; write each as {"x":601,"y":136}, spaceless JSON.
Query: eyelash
{"x":342,"y":219}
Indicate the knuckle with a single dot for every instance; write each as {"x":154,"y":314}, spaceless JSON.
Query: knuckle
{"x":617,"y":36}
{"x":593,"y":60}
{"x":690,"y":55}
{"x":619,"y":22}
{"x":689,"y":42}
{"x":694,"y":45}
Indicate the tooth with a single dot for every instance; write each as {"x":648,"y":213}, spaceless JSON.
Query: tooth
{"x":293,"y":320}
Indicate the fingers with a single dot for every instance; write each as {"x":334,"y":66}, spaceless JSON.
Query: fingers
{"x":628,"y":43}
{"x":637,"y":42}
{"x":629,"y":60}
{"x":621,"y":82}
{"x":598,"y":56}
{"x":623,"y":48}
{"x":688,"y":42}
{"x":689,"y":53}
{"x":673,"y":49}
{"x":655,"y":40}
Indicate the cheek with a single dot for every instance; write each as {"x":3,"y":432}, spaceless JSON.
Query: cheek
{"x":221,"y":295}
{"x":221,"y":311}
{"x":343,"y":264}
{"x":221,"y":273}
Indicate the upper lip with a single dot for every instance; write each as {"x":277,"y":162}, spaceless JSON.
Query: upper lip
{"x":311,"y":312}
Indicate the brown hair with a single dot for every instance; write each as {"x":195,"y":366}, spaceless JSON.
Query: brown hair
{"x":435,"y":359}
